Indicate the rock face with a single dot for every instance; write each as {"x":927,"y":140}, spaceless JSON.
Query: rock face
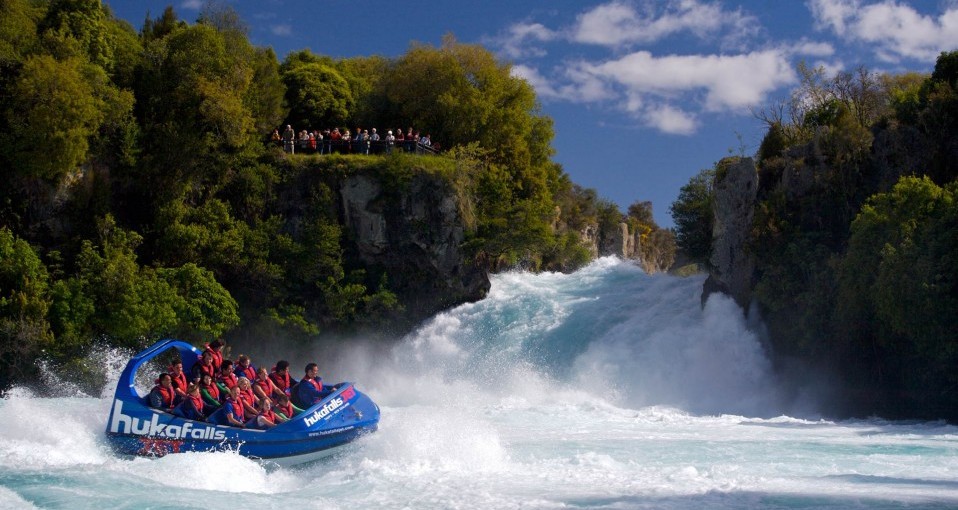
{"x":620,"y":242}
{"x":733,"y":267}
{"x":415,"y":236}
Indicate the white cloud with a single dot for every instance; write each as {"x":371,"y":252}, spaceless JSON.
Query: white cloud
{"x":541,"y":85}
{"x":193,"y":5}
{"x":669,"y":119}
{"x":282,"y":30}
{"x":519,"y":40}
{"x":619,"y":23}
{"x":894,"y":29}
{"x":812,"y":48}
{"x":669,"y":93}
{"x":730,"y":82}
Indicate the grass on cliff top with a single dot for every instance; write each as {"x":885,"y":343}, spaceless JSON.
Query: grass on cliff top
{"x":397,"y":166}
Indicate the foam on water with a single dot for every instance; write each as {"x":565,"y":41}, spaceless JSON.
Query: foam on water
{"x":606,"y":388}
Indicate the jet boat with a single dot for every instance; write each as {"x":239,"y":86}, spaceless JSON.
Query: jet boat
{"x":135,"y":428}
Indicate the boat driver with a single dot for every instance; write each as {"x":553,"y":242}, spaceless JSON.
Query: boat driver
{"x":310,"y":389}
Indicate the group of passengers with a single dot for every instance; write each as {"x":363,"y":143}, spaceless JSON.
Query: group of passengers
{"x":361,"y":141}
{"x":237,"y":395}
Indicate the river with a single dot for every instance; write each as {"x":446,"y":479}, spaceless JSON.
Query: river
{"x":607,"y":388}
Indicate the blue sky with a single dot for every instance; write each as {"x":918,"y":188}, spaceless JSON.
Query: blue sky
{"x":644,"y":94}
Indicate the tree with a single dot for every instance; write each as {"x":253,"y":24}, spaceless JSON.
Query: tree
{"x":54,"y":102}
{"x":18,"y":31}
{"x":78,"y":27}
{"x":692,"y":214}
{"x":898,"y":293}
{"x":318,"y":96}
{"x":24,"y":303}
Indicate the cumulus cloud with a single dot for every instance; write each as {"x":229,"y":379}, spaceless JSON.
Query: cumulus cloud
{"x":729,"y":82}
{"x":620,"y":23}
{"x":895,"y":30}
{"x":192,"y":5}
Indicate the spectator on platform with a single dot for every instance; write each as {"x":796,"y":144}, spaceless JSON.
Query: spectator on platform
{"x":289,"y":139}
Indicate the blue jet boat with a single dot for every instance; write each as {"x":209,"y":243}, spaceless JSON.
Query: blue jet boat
{"x":135,"y":428}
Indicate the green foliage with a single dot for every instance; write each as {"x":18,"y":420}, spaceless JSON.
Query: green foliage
{"x":692,"y":214}
{"x":462,"y":94}
{"x":946,"y":68}
{"x":72,"y":26}
{"x":319,"y":96}
{"x":899,"y":279}
{"x":24,"y":303}
{"x":55,"y":102}
{"x":205,"y":309}
{"x":18,"y":31}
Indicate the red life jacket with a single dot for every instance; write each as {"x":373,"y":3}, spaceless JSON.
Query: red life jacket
{"x":249,"y":372}
{"x":269,"y":415}
{"x":197,"y":403}
{"x":228,"y":380}
{"x":264,"y":385}
{"x":213,"y":390}
{"x":208,"y":369}
{"x":281,"y":381}
{"x":316,"y":384}
{"x":179,"y":381}
{"x":238,"y":411}
{"x":168,"y":395}
{"x":248,"y":396}
{"x":217,"y":355}
{"x":287,"y":410}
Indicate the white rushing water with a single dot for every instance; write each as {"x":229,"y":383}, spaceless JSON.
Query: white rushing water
{"x":606,"y":388}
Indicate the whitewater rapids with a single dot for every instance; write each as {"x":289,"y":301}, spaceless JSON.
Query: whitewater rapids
{"x":607,"y":388}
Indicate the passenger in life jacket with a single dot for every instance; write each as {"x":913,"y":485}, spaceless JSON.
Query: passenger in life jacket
{"x":280,"y":377}
{"x":247,"y":396}
{"x":265,"y":417}
{"x":210,"y":392}
{"x":233,"y":409}
{"x":216,"y":349}
{"x":284,"y":409}
{"x":163,"y":396}
{"x":178,"y":379}
{"x":244,"y":368}
{"x":204,"y":366}
{"x":263,"y":386}
{"x":310,"y":389}
{"x":227,"y":379}
{"x":191,"y":407}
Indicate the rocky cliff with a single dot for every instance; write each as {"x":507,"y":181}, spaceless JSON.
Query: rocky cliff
{"x":414,"y":235}
{"x":733,"y":267}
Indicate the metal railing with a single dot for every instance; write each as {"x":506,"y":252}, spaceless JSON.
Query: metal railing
{"x":326,"y":146}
